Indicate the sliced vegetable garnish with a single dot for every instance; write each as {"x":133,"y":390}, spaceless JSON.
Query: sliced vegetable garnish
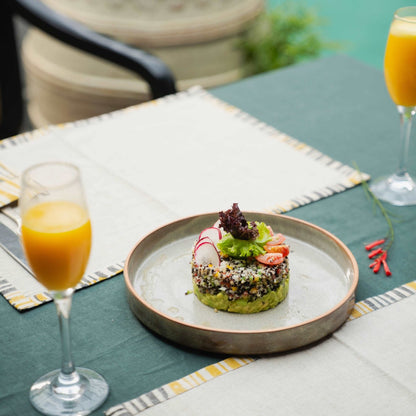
{"x":270,"y":259}
{"x":283,"y":249}
{"x":213,"y":233}
{"x":206,"y":254}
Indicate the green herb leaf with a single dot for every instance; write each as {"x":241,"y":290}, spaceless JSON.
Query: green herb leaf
{"x":235,"y":247}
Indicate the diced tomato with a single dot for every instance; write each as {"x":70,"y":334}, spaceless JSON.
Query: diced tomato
{"x":270,"y":259}
{"x":283,"y":249}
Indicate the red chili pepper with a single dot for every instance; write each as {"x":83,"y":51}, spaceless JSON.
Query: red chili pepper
{"x":379,"y":256}
{"x":377,"y":266}
{"x":386,"y":268}
{"x":374,"y":253}
{"x":373,"y":264}
{"x":374,"y":244}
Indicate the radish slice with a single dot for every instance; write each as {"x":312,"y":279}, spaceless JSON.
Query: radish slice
{"x":217,"y":225}
{"x":213,"y":233}
{"x":206,"y":253}
{"x":202,"y":240}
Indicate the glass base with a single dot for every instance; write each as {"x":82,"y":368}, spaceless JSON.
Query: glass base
{"x":396,"y":189}
{"x":77,"y":394}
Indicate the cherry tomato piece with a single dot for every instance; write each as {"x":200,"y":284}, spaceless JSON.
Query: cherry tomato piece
{"x":277,"y":239}
{"x":283,"y":249}
{"x":270,"y":259}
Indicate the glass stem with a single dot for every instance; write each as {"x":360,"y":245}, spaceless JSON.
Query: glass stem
{"x":68,"y":381}
{"x":406,"y":118}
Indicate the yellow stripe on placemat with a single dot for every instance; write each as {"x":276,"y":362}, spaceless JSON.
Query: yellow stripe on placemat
{"x":412,"y":285}
{"x":9,"y":185}
{"x":177,"y":387}
{"x":380,"y":301}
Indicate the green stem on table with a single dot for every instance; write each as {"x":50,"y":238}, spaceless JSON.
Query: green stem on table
{"x":383,"y":210}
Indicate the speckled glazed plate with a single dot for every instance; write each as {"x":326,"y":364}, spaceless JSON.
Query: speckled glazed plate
{"x":323,"y":279}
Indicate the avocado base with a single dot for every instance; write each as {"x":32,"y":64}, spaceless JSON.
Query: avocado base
{"x":221,"y":302}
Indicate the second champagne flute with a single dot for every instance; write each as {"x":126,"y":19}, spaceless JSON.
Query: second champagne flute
{"x":400,"y":75}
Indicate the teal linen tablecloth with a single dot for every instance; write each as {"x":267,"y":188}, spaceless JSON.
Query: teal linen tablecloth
{"x":338,"y":106}
{"x":341,"y":107}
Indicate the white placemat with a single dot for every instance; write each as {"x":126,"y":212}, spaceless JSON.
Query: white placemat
{"x":184,"y":154}
{"x":367,"y":367}
{"x":9,"y":186}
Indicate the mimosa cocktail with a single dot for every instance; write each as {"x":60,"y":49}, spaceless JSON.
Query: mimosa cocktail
{"x":56,"y":237}
{"x":400,"y":62}
{"x":400,"y":75}
{"x":57,"y":240}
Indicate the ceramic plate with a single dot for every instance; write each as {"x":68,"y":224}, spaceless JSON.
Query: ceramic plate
{"x":323,"y":279}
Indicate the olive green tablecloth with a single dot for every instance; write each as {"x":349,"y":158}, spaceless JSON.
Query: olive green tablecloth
{"x":336,"y":105}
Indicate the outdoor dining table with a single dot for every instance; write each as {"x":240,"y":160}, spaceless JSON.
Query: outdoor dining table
{"x":341,"y":108}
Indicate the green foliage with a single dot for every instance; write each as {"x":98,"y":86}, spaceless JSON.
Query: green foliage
{"x":282,"y":37}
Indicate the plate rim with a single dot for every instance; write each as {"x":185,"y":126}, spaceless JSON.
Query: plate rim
{"x":350,"y":294}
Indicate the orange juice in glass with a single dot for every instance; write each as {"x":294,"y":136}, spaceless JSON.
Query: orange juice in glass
{"x":56,"y":237}
{"x":400,"y":61}
{"x":400,"y":75}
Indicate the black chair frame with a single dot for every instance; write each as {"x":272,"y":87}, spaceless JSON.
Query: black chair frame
{"x":159,"y":77}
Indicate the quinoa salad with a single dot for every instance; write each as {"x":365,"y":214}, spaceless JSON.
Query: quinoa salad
{"x":239,"y":266}
{"x":239,"y":278}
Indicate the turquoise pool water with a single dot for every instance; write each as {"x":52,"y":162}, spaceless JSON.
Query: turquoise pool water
{"x":360,"y":26}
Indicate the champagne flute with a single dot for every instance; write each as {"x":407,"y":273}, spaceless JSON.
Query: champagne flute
{"x":56,"y":237}
{"x":400,"y":75}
